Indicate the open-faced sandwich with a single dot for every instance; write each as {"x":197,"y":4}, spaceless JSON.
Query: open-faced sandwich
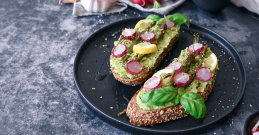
{"x":139,"y":51}
{"x":177,"y":90}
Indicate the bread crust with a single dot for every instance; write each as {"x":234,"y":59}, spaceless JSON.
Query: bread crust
{"x":146,"y":72}
{"x":141,"y":117}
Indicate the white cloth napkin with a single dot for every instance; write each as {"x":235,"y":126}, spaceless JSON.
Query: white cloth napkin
{"x":251,"y":5}
{"x":166,"y":6}
{"x":121,"y":5}
{"x":79,"y":10}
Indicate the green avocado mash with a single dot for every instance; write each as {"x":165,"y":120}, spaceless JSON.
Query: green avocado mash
{"x":195,"y":86}
{"x":162,"y":40}
{"x":198,"y":85}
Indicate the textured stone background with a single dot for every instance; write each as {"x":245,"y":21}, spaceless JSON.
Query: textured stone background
{"x":39,"y":40}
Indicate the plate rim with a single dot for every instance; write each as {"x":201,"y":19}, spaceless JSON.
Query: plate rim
{"x":110,"y":120}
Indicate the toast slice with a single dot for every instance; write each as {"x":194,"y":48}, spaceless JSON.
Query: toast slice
{"x":141,"y":117}
{"x":146,"y":72}
{"x":164,"y":40}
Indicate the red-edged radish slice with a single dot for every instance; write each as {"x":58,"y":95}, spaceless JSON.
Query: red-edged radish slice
{"x":134,"y":67}
{"x":148,"y":36}
{"x":255,"y":129}
{"x":195,"y":47}
{"x":170,"y":24}
{"x":203,"y":74}
{"x":162,"y":26}
{"x":255,"y":132}
{"x":129,"y":34}
{"x":177,"y":66}
{"x":181,"y":79}
{"x":142,"y":3}
{"x":119,"y":50}
{"x":152,"y":83}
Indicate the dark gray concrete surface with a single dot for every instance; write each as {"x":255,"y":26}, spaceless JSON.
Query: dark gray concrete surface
{"x":38,"y":43}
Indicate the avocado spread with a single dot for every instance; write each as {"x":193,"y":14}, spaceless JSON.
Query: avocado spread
{"x":195,"y":86}
{"x":162,"y":40}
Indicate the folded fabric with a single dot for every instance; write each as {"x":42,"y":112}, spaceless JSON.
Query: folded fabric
{"x":251,"y":5}
{"x":79,"y":10}
{"x":121,"y":5}
{"x":166,"y":6}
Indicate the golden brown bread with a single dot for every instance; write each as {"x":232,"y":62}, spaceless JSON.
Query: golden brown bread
{"x":140,"y":117}
{"x":146,"y":72}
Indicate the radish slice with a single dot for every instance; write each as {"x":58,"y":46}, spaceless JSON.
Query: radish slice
{"x":255,"y":129}
{"x":181,"y":79}
{"x":134,"y":67}
{"x":163,"y":26}
{"x":129,"y":34}
{"x":148,"y":36}
{"x":170,"y":24}
{"x":152,"y":83}
{"x":255,"y":133}
{"x":177,"y":66}
{"x":196,"y":47}
{"x":203,"y":74}
{"x":119,"y":50}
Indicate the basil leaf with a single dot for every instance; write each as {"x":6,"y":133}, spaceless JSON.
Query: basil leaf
{"x":153,"y":17}
{"x":179,"y":19}
{"x":180,"y":92}
{"x":159,"y":96}
{"x":193,"y":104}
{"x":176,"y":100}
{"x":162,"y":20}
{"x":156,"y":4}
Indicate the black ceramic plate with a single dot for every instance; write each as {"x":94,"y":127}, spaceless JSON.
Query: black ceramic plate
{"x":108,"y":97}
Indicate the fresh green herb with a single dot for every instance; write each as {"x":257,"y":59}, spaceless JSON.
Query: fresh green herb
{"x":180,"y":92}
{"x":179,"y":19}
{"x":190,"y":101}
{"x":159,"y":96}
{"x":193,"y":104}
{"x":153,"y":17}
{"x":161,"y":20}
{"x":176,"y":100}
{"x":156,"y":4}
